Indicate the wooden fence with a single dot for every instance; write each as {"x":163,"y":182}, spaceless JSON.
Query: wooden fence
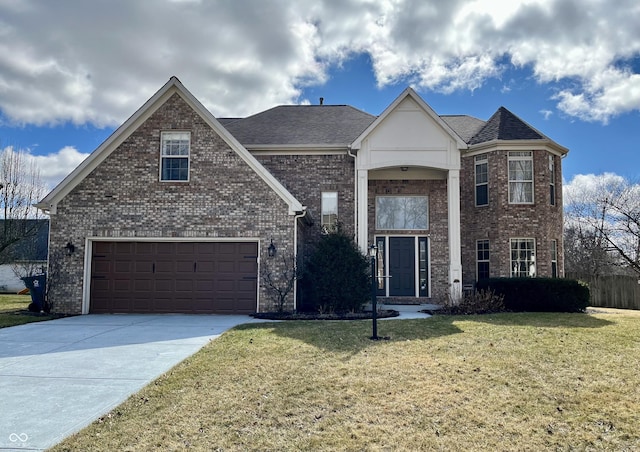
{"x":616,"y":291}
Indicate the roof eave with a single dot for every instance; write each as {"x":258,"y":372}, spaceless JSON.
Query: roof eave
{"x":518,"y":144}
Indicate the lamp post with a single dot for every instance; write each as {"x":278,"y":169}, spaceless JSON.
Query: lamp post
{"x":373,"y":253}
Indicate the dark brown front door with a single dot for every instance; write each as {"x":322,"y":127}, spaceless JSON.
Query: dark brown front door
{"x":180,"y":277}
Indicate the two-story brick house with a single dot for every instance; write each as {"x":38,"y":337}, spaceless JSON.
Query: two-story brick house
{"x":177,"y":210}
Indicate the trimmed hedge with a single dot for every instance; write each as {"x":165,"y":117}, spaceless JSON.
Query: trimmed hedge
{"x":539,"y":294}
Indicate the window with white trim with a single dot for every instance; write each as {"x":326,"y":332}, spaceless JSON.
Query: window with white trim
{"x":402,"y":212}
{"x":482,"y":180}
{"x":552,"y":180}
{"x":554,"y":258}
{"x":174,"y":156}
{"x":521,"y":177}
{"x":482,"y":259}
{"x":329,"y":220}
{"x":523,"y":258}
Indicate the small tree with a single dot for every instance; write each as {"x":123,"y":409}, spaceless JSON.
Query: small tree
{"x":278,"y":277}
{"x":336,"y":276}
{"x":607,"y":212}
{"x":20,"y":188}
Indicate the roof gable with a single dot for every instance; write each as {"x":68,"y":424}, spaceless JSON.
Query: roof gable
{"x":409,"y":93}
{"x":172,"y":87}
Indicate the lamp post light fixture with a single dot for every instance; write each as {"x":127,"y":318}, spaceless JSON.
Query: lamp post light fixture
{"x":373,"y":253}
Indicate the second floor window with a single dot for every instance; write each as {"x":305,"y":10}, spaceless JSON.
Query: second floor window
{"x":174,"y":156}
{"x":329,"y":219}
{"x":402,"y":212}
{"x":482,"y":180}
{"x":521,"y":177}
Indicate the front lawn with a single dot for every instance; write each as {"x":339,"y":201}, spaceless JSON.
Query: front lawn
{"x":14,"y":311}
{"x":495,"y":382}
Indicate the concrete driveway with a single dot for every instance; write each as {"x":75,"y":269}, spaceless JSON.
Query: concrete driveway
{"x":57,"y":377}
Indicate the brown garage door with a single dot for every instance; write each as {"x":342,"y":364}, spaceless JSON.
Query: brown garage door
{"x":186,"y":277}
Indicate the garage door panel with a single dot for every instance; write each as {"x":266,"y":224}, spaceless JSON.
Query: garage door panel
{"x":191,"y":277}
{"x":164,"y":267}
{"x":124,"y":248}
{"x":204,"y":266}
{"x":185,"y":266}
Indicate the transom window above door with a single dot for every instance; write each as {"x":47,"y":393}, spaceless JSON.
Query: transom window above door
{"x":399,"y":213}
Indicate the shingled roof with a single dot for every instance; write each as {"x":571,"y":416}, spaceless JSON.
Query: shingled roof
{"x":340,"y":125}
{"x":465,"y":126}
{"x":331,"y":125}
{"x":504,"y":125}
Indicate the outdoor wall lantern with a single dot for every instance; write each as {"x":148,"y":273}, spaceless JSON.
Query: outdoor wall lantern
{"x":272,"y":249}
{"x":70,"y":248}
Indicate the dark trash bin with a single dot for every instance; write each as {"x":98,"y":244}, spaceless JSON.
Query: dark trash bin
{"x":36,"y":285}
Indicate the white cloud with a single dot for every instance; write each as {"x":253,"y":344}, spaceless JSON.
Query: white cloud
{"x":546,"y":113}
{"x":97,"y":62}
{"x":583,"y":187}
{"x":56,"y":166}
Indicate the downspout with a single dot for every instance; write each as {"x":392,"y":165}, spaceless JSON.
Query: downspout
{"x":295,"y":255}
{"x":355,"y":194}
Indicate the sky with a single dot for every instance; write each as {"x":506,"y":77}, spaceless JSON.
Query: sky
{"x":72,"y":71}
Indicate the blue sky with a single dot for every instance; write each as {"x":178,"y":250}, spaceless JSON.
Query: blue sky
{"x":68,"y":78}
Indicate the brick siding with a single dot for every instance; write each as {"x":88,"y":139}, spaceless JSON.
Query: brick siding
{"x":500,"y":221}
{"x":123,"y":197}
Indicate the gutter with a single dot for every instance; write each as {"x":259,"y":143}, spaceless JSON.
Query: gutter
{"x":355,"y":193}
{"x":295,"y":254}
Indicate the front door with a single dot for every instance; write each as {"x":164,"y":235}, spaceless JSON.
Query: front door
{"x":402,"y":270}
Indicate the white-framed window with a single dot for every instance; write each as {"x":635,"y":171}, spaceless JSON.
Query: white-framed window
{"x":174,"y":156}
{"x":552,"y":180}
{"x":482,"y":180}
{"x":523,"y":258}
{"x":329,"y":220}
{"x":402,"y":213}
{"x":554,"y":258}
{"x":521,"y":177}
{"x":482,"y":259}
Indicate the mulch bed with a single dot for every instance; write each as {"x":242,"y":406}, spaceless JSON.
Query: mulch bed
{"x":382,"y":314}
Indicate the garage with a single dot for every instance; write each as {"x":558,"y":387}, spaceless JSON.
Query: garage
{"x":174,"y":277}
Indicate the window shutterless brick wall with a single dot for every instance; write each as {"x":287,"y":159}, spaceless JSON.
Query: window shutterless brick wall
{"x":123,"y":197}
{"x":307,"y":176}
{"x":500,"y":221}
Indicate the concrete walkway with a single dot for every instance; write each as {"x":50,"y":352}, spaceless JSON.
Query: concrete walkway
{"x":57,"y":377}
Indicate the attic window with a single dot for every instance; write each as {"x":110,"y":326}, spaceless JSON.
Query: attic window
{"x":174,"y":156}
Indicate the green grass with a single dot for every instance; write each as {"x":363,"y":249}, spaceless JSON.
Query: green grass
{"x":496,"y":382}
{"x":13,"y":311}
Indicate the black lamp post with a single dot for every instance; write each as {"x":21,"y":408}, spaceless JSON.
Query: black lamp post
{"x":373,"y":252}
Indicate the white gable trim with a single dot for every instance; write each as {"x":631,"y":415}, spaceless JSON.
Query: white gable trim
{"x":409,"y":92}
{"x":173,"y":86}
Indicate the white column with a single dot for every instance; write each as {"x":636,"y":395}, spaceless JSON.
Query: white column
{"x":363,"y":209}
{"x":455,"y":258}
